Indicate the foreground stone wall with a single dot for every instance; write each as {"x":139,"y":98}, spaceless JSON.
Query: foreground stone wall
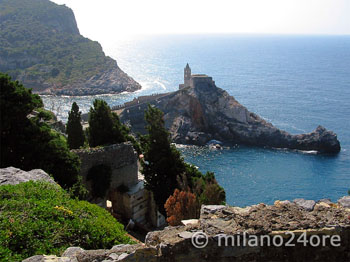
{"x":300,"y":217}
{"x":120,"y":157}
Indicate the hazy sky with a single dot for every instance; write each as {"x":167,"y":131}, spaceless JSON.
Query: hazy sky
{"x":112,"y":19}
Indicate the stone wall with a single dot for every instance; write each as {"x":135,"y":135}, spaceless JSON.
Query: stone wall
{"x":174,"y":244}
{"x":202,"y":81}
{"x":120,"y":157}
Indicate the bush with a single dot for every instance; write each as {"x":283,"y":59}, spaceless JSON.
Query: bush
{"x":181,"y":205}
{"x":40,"y":218}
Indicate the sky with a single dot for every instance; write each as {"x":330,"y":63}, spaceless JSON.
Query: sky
{"x":106,"y":20}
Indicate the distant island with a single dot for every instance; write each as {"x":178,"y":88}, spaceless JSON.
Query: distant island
{"x":40,"y":45}
{"x":200,"y":112}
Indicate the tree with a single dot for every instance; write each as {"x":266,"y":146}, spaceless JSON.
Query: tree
{"x":179,"y":206}
{"x":76,"y":137}
{"x":208,"y":190}
{"x":162,"y":161}
{"x":104,"y":125}
{"x":27,"y":142}
{"x":165,"y":170}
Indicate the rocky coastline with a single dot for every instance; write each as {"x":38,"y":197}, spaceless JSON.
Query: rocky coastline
{"x":196,"y":115}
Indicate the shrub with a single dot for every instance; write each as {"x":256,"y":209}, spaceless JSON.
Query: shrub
{"x":181,"y":205}
{"x":40,"y":218}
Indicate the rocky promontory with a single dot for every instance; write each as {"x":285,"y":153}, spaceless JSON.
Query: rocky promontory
{"x":40,"y":45}
{"x":198,"y":114}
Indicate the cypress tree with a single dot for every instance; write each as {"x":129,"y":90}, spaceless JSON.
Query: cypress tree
{"x":76,"y":137}
{"x":104,"y":125}
{"x":162,"y":161}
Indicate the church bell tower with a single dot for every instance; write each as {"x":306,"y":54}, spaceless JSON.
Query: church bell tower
{"x":187,"y":75}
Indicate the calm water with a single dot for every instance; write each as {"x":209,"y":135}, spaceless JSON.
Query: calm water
{"x":296,"y":82}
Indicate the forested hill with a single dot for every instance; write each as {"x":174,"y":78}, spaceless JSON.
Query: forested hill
{"x":40,"y":45}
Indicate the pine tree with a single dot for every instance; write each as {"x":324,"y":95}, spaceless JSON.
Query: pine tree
{"x":76,"y":137}
{"x":104,"y":125}
{"x":162,"y":161}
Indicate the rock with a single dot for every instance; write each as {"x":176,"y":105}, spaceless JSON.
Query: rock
{"x":308,"y":205}
{"x":44,"y":258}
{"x":189,"y":222}
{"x":72,"y":251}
{"x":113,"y":256}
{"x":205,"y":209}
{"x":325,"y":200}
{"x":122,"y":256}
{"x":13,"y":176}
{"x":344,"y":201}
{"x":185,"y":234}
{"x":281,"y":203}
{"x":199,"y":114}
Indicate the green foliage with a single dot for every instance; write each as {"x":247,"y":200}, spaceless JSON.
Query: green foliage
{"x":101,"y":179}
{"x":29,"y":143}
{"x":165,"y":170}
{"x":76,"y":136}
{"x":40,"y":218}
{"x":44,"y":114}
{"x":78,"y":190}
{"x":43,"y":40}
{"x":208,"y":191}
{"x":162,"y":161}
{"x":104,"y":125}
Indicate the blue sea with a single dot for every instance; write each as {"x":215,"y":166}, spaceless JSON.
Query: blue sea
{"x":295,"y":82}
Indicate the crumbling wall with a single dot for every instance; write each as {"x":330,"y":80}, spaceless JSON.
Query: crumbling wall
{"x":120,"y":157}
{"x":301,"y":217}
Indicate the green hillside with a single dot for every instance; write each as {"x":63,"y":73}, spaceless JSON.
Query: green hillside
{"x":40,"y":45}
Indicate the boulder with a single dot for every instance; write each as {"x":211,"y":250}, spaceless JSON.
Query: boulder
{"x":308,"y":205}
{"x":344,"y":201}
{"x":13,"y":176}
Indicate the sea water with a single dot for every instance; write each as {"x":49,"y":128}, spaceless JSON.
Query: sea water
{"x":295,"y":82}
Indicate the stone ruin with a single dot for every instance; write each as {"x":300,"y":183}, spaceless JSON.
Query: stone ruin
{"x":135,"y":202}
{"x":323,"y":219}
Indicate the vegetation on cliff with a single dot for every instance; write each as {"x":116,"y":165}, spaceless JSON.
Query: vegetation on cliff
{"x":27,"y":142}
{"x":41,"y":218}
{"x":165,"y":170}
{"x":40,"y":45}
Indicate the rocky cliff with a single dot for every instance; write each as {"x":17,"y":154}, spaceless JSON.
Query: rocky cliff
{"x":196,"y":115}
{"x":40,"y":45}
